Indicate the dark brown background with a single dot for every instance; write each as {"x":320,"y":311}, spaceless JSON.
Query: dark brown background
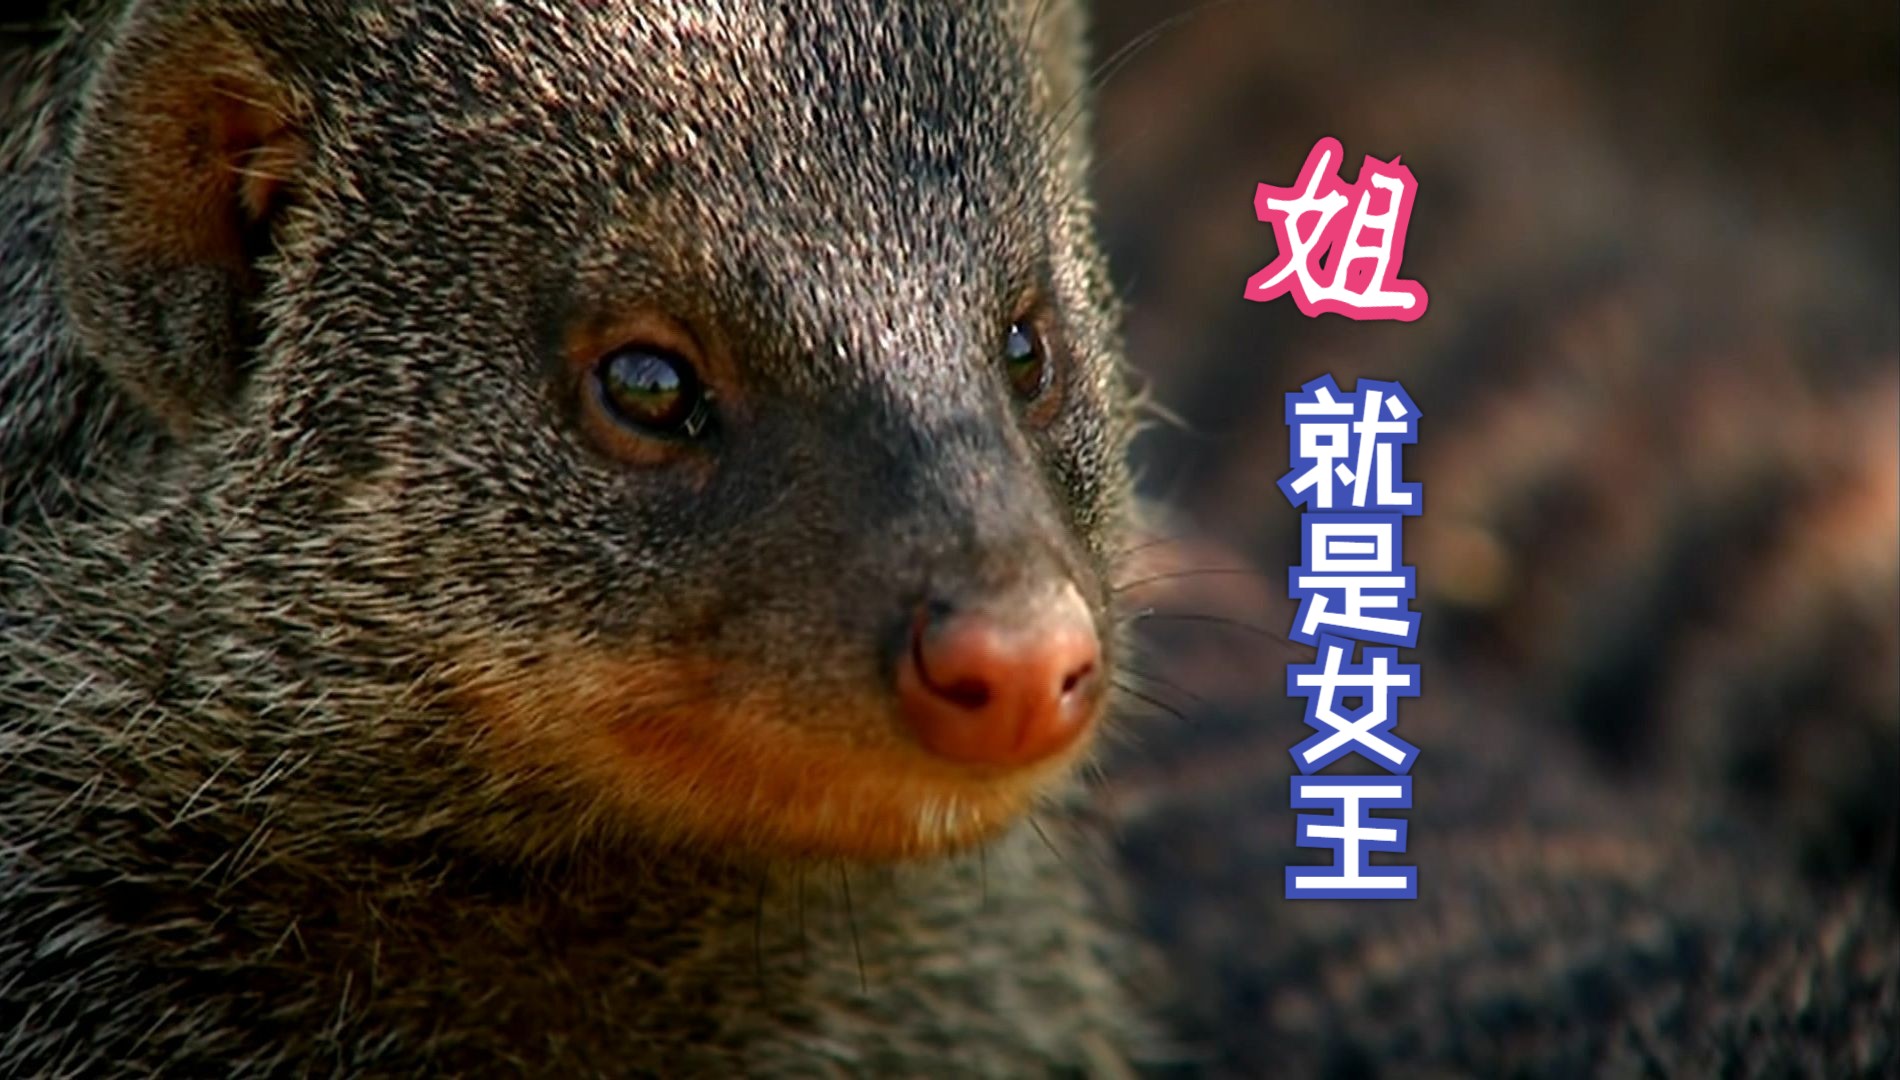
{"x":1660,"y":731}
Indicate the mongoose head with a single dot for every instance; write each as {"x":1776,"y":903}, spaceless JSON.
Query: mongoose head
{"x":703,"y":419}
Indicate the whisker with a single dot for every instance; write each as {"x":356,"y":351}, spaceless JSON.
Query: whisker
{"x":1172,"y":575}
{"x":1107,"y":913}
{"x":1099,"y":784}
{"x":1144,"y":403}
{"x":1218,"y":620}
{"x":804,"y":944}
{"x":983,"y":874}
{"x":1065,"y":116}
{"x":1150,"y":542}
{"x":1146,"y":676}
{"x":758,"y":933}
{"x":1050,"y":844}
{"x":1154,"y":701}
{"x":851,"y":916}
{"x":1035,"y":19}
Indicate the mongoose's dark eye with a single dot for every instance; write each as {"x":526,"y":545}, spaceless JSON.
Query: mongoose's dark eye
{"x":1024,"y":359}
{"x":653,"y":390}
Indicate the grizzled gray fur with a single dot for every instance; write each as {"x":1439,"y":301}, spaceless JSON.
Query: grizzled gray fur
{"x":297,"y":529}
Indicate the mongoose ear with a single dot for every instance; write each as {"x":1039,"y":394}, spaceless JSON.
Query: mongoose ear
{"x":187,"y":150}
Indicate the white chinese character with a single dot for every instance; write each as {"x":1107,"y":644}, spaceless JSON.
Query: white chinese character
{"x":1351,"y":574}
{"x":1378,"y":682}
{"x":1351,"y":836}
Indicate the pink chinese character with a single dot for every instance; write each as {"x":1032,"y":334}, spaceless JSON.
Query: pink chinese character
{"x":1360,"y":280}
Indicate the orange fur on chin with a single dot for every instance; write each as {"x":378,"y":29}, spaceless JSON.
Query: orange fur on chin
{"x":695,"y":754}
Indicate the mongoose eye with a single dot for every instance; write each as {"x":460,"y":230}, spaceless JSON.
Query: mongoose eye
{"x":653,"y":390}
{"x":1026,"y":361}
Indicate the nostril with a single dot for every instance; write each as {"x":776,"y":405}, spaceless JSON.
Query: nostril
{"x":1074,"y":678}
{"x":966,"y":692}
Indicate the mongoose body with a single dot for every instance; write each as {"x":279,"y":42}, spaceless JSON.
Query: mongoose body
{"x":537,"y":538}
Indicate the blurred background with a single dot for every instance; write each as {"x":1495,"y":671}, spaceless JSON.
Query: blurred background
{"x":1659,"y":563}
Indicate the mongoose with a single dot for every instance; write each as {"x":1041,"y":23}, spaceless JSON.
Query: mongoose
{"x":553,"y":538}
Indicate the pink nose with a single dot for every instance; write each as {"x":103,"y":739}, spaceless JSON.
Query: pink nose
{"x":1002,"y":685}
